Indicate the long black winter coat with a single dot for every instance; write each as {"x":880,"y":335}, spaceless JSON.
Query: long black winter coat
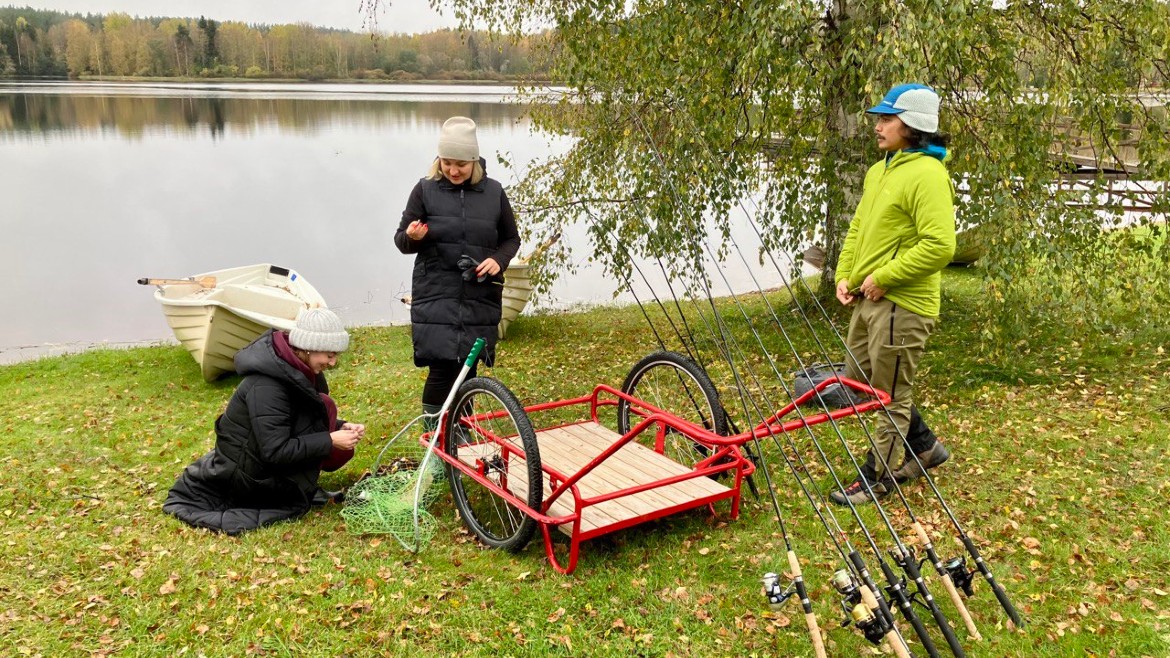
{"x":270,"y":442}
{"x":447,"y":313}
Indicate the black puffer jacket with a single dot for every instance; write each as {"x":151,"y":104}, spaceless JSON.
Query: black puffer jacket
{"x":448,"y":313}
{"x":270,"y":442}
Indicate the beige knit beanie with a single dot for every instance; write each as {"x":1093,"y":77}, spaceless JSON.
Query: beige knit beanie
{"x":457,"y":140}
{"x":319,"y":330}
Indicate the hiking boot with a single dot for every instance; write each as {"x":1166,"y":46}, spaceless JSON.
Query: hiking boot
{"x":857,"y":492}
{"x":912,"y":469}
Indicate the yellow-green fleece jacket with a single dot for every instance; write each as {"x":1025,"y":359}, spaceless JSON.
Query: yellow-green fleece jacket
{"x":903,"y":232}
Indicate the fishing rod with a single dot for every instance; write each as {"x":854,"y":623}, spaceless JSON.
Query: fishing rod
{"x":629,"y":284}
{"x":954,"y":571}
{"x":896,"y":587}
{"x":860,"y":566}
{"x":907,"y":562}
{"x":874,"y":618}
{"x":688,"y":342}
{"x":906,"y":559}
{"x":753,"y":454}
{"x":863,"y":603}
{"x":864,"y":620}
{"x":776,"y":595}
{"x":904,"y":556}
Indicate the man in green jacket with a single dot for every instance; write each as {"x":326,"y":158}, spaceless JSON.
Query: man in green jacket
{"x":901,"y":237}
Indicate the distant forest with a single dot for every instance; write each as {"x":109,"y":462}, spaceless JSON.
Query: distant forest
{"x":38,"y":43}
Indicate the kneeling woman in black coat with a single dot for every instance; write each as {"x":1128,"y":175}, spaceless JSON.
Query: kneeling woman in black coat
{"x":280,"y":429}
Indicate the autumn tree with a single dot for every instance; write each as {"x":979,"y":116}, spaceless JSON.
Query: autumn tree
{"x":209,"y":28}
{"x":682,"y":110}
{"x":78,"y":46}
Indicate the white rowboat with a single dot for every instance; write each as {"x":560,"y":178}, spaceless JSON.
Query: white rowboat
{"x":215,"y":314}
{"x":517,"y":291}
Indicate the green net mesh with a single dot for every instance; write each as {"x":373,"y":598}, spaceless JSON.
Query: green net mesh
{"x":384,"y":502}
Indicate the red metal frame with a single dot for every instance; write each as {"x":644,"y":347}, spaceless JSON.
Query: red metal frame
{"x":725,"y":456}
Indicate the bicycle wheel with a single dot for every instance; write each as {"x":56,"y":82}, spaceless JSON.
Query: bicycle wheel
{"x":490,"y":434}
{"x":677,"y":385}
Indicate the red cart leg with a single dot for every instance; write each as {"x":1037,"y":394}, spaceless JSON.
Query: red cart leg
{"x":574,"y":547}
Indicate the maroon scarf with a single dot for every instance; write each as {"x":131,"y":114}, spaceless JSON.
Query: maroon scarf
{"x":337,"y":457}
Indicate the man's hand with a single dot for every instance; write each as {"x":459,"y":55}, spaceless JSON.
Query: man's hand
{"x":843,"y":295}
{"x":870,"y":291}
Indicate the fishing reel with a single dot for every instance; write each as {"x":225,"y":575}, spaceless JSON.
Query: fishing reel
{"x":848,"y":588}
{"x":961,"y":576}
{"x":776,"y":595}
{"x":872,"y":625}
{"x":902,"y":561}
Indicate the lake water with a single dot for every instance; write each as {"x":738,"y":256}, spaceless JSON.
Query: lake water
{"x":103,"y":183}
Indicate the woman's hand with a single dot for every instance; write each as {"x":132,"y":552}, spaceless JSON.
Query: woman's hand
{"x":417,"y":230}
{"x":357,"y":427}
{"x":487,"y":267}
{"x":345,"y":439}
{"x":843,"y":295}
{"x":870,"y":290}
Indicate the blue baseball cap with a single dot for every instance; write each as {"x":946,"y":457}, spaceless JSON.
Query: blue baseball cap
{"x":916,"y":105}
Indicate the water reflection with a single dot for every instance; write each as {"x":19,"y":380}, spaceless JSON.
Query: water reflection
{"x":48,"y":111}
{"x":100,"y":189}
{"x":104,"y":184}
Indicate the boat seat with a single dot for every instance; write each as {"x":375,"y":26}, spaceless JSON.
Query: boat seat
{"x":262,"y":300}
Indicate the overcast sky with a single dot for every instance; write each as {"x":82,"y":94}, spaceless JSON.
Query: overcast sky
{"x":408,"y":16}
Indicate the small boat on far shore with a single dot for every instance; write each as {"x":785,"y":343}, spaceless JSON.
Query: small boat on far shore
{"x":215,"y":314}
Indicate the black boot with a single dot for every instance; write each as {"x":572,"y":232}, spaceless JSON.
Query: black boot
{"x":323,"y":497}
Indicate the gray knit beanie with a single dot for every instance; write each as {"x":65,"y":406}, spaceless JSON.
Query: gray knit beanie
{"x":457,"y":140}
{"x":319,"y":330}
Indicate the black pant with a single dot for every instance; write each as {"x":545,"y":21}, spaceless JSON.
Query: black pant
{"x":440,"y":377}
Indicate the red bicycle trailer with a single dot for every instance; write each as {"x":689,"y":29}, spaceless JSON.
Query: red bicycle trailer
{"x":666,"y":451}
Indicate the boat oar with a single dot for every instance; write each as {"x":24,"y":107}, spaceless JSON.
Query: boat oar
{"x":202,"y":281}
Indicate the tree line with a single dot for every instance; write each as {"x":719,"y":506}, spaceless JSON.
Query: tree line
{"x":42,"y":43}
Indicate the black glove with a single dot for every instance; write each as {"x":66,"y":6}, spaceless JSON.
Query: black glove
{"x":468,"y":265}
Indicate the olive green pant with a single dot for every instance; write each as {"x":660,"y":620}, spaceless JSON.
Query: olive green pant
{"x":885,"y":343}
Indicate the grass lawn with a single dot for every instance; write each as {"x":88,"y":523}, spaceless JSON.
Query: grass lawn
{"x":1060,"y":475}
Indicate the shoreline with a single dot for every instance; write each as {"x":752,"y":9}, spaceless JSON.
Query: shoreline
{"x":509,"y":82}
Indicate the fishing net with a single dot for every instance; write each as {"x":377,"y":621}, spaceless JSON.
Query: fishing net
{"x":392,"y":499}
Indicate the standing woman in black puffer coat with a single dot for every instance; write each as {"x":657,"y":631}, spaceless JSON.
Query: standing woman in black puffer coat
{"x":279,"y":431}
{"x":461,"y":227}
